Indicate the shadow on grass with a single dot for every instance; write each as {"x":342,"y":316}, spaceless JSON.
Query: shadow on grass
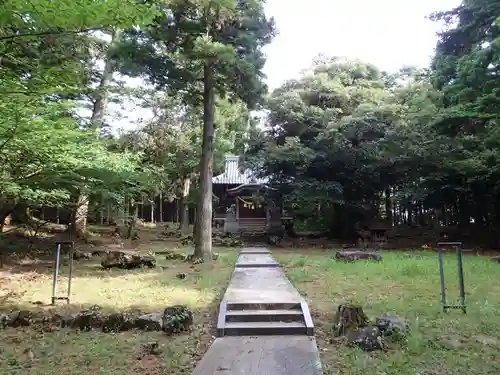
{"x":18,"y":247}
{"x":71,"y":352}
{"x":120,"y":288}
{"x":44,"y":267}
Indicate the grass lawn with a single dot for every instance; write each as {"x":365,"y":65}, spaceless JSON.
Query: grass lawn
{"x":440,"y":343}
{"x":69,"y":352}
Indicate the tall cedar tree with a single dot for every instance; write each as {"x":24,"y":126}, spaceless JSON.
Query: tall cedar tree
{"x":202,"y":49}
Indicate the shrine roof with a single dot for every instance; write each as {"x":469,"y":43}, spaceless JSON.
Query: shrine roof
{"x":234,"y":176}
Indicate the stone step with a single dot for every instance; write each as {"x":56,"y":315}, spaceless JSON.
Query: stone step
{"x":255,"y":250}
{"x":230,"y":306}
{"x":264,"y":328}
{"x":264,"y":316}
{"x":257,"y":265}
{"x":256,"y":261}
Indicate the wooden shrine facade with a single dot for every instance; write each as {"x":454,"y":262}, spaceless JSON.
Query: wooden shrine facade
{"x":246,"y":203}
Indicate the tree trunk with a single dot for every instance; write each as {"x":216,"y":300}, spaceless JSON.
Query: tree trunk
{"x":160,"y":208}
{"x":80,"y":215}
{"x":6,"y":217}
{"x":97,"y":120}
{"x":101,"y":213}
{"x":195,"y":226}
{"x":141,"y":209}
{"x":7,"y":207}
{"x":388,"y":206}
{"x":132,"y":220}
{"x":152,"y":202}
{"x":184,"y":210}
{"x":5,"y":221}
{"x":183,"y":215}
{"x":108,"y":215}
{"x":349,"y":318}
{"x":203,"y":224}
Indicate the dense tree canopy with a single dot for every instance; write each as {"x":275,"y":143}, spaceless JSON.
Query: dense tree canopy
{"x":345,"y":142}
{"x":47,"y":156}
{"x":204,"y":60}
{"x":353,"y":143}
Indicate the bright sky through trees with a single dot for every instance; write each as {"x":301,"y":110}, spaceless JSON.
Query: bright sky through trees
{"x":387,"y":33}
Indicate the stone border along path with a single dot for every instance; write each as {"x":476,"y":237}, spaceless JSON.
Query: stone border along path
{"x":264,"y":326}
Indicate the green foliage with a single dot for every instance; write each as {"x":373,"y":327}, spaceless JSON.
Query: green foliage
{"x":346,"y":134}
{"x":41,"y":17}
{"x":171,"y":52}
{"x":50,"y":68}
{"x":337,"y":139}
{"x":170,"y":144}
{"x":345,"y":142}
{"x":46,"y":158}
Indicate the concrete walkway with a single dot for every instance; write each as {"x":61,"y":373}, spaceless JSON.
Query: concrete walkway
{"x":264,"y":325}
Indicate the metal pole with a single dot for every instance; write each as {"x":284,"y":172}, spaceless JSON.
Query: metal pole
{"x":56,"y":273}
{"x":71,"y":253}
{"x":441,"y":273}
{"x":461,"y":280}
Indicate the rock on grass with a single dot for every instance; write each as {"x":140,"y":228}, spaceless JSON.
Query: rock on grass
{"x":118,"y":259}
{"x":391,"y":323}
{"x":119,"y":322}
{"x":88,"y":319}
{"x":352,"y":256}
{"x":393,"y":328}
{"x":177,"y":319}
{"x":150,"y":322}
{"x":174,"y":319}
{"x":368,"y":339}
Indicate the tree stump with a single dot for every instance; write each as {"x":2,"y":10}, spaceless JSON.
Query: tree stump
{"x":349,"y":318}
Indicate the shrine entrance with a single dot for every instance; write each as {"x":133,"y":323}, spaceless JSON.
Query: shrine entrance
{"x":247,"y":204}
{"x":249,"y":209}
